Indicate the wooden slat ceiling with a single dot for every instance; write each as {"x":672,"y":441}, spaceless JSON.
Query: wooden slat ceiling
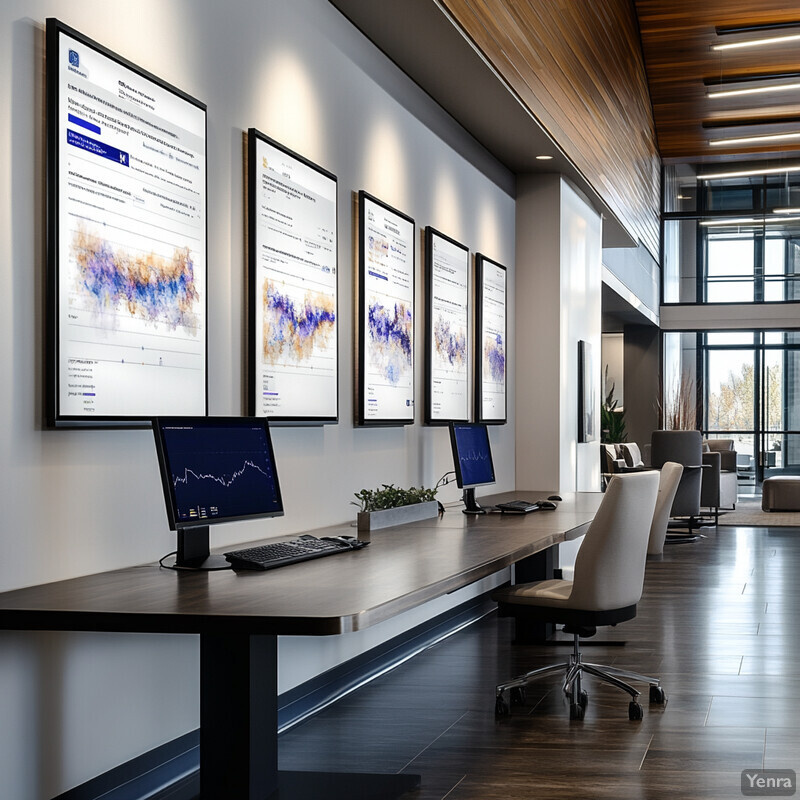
{"x":677,"y":36}
{"x":577,"y":66}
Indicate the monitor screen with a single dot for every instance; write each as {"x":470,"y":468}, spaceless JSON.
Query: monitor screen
{"x":471,"y":454}
{"x":216,"y":469}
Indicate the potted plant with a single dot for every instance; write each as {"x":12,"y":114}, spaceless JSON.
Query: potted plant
{"x":389,"y":505}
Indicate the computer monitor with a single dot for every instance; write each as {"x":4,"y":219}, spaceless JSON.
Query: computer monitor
{"x":472,"y":456}
{"x":214,"y":470}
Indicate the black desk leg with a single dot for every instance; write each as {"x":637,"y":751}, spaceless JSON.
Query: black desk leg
{"x":538,"y":567}
{"x":239,"y":732}
{"x":238,"y":716}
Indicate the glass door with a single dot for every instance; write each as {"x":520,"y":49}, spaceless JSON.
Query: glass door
{"x":779,"y":439}
{"x":731,"y":400}
{"x":751,"y":394}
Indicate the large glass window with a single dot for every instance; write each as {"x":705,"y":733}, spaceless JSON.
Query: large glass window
{"x":751,"y":393}
{"x":745,"y":386}
{"x":730,"y":267}
{"x":733,"y":240}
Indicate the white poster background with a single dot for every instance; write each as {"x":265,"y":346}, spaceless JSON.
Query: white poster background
{"x":449,"y":354}
{"x":131,"y":242}
{"x":492,"y":342}
{"x":388,"y":382}
{"x":295,"y":304}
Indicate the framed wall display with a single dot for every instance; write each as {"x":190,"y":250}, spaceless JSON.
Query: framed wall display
{"x":587,"y":427}
{"x":491,"y":338}
{"x":446,"y":329}
{"x":385,"y":336}
{"x":126,"y":240}
{"x":292,"y":259}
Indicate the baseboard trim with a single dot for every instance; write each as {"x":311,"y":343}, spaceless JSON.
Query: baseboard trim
{"x":170,"y":772}
{"x":314,"y":695}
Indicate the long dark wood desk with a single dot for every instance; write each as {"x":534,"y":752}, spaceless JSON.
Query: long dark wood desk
{"x":239,"y":616}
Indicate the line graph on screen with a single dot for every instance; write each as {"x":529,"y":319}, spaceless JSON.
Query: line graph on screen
{"x":226,"y":480}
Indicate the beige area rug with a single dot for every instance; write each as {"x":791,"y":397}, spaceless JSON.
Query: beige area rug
{"x":748,"y":513}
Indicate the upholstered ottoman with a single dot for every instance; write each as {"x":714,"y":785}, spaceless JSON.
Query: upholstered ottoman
{"x":781,"y":493}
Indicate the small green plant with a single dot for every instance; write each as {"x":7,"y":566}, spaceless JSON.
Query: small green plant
{"x":612,"y":419}
{"x":390,"y":496}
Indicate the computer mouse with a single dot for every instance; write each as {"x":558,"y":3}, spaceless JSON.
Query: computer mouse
{"x":546,"y":505}
{"x":554,"y":497}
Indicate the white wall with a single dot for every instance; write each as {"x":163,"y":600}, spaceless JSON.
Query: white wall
{"x":559,"y":274}
{"x":538,"y":365}
{"x":581,"y":287}
{"x":77,"y":502}
{"x":559,"y":277}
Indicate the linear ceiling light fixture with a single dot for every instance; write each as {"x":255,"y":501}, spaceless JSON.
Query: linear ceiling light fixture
{"x":745,"y":173}
{"x":715,"y":223}
{"x":766,"y":138}
{"x":757,"y":42}
{"x":780,"y":87}
{"x":786,"y":210}
{"x":792,"y":34}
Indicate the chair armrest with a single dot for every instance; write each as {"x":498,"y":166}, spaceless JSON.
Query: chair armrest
{"x":728,"y":462}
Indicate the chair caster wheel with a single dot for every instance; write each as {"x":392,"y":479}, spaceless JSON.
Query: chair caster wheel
{"x":501,"y":708}
{"x":576,"y":711}
{"x":518,"y":696}
{"x":635,"y":711}
{"x":657,"y":695}
{"x":583,"y":698}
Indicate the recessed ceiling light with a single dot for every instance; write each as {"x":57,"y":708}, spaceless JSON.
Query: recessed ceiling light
{"x":544,"y":158}
{"x":683,"y":197}
{"x":757,"y":42}
{"x":744,"y":173}
{"x":780,"y":87}
{"x":767,"y":137}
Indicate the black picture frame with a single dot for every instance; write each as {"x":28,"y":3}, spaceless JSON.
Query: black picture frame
{"x":384,"y":380}
{"x":447,"y":335}
{"x":491,"y":339}
{"x":117,"y":300}
{"x":292,"y":336}
{"x":587,"y":417}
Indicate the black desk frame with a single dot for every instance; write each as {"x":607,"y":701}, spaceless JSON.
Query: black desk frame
{"x":238,"y":630}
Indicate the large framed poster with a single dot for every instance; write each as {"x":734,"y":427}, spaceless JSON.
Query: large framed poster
{"x":385,"y":340}
{"x":292,"y":256}
{"x":491,"y":303}
{"x":126,"y":284}
{"x":447,"y":393}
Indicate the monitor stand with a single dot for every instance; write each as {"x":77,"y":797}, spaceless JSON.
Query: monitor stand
{"x":471,"y":505}
{"x":193,"y":551}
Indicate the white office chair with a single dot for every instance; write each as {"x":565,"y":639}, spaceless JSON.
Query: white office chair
{"x":607,"y":585}
{"x":667,"y":489}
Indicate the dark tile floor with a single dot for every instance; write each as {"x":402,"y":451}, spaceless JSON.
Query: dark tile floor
{"x":717,"y":623}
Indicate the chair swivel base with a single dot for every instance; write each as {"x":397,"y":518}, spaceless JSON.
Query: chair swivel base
{"x":579,"y":698}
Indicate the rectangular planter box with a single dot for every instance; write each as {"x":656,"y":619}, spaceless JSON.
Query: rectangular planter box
{"x":375,"y":520}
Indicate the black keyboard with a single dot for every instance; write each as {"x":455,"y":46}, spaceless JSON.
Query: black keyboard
{"x":517,"y":507}
{"x":278,"y":554}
